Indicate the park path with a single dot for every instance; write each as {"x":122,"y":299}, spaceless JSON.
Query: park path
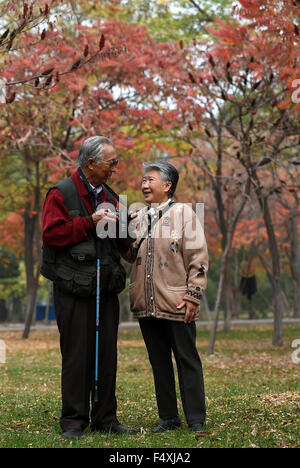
{"x":134,"y":325}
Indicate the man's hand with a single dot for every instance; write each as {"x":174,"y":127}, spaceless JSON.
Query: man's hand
{"x":104,"y":214}
{"x":191,"y":310}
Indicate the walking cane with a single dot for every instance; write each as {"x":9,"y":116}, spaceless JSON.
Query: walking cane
{"x":96,"y":394}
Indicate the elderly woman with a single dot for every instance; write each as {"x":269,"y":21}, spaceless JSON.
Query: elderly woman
{"x":168,"y":278}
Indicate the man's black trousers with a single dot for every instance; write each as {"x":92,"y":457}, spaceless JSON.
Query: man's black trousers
{"x":76,"y":320}
{"x":161,"y":338}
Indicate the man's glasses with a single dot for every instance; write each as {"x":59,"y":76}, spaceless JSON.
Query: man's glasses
{"x":112,"y":163}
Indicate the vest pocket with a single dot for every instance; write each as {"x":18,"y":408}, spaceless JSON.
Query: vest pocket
{"x":80,"y":284}
{"x":113,"y":277}
{"x":85,"y":251}
{"x":84,"y":284}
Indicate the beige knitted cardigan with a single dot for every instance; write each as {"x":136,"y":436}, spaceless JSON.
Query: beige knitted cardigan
{"x":171,"y":263}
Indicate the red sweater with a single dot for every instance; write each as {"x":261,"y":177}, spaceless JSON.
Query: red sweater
{"x":59,"y":230}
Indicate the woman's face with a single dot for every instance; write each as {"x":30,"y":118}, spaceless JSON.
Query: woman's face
{"x":154,"y":189}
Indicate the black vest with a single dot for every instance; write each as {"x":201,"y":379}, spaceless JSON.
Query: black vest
{"x":73,"y":269}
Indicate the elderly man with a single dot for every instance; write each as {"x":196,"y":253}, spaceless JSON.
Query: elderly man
{"x":70,"y":217}
{"x":168,"y":278}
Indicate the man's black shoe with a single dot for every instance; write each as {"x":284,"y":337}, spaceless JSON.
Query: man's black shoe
{"x":116,"y":429}
{"x":168,"y":425}
{"x":73,"y":434}
{"x":199,"y":427}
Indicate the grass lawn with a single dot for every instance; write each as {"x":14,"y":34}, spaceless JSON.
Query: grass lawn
{"x":252,"y":391}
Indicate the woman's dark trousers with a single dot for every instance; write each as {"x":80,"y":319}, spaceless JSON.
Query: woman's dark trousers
{"x":161,"y":338}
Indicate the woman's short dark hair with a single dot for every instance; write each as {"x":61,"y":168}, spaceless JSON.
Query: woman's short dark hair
{"x":168,"y":173}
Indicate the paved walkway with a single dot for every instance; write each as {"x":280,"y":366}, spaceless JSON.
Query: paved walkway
{"x":135,"y":325}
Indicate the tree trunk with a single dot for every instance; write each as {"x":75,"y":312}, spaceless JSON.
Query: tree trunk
{"x":213,"y":332}
{"x":206,"y":307}
{"x":32,"y":265}
{"x":276,"y":281}
{"x":33,"y":251}
{"x":236,"y":299}
{"x":228,"y":304}
{"x":285,"y":303}
{"x":17,"y":310}
{"x":277,"y":288}
{"x":295,"y":263}
{"x":3,"y":310}
{"x":296,"y":298}
{"x":278,"y":312}
{"x":224,"y":261}
{"x":30,"y":308}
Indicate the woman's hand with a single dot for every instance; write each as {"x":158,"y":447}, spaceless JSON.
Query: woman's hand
{"x":191,"y":310}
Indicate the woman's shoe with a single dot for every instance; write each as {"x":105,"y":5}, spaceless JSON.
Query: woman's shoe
{"x":168,"y":425}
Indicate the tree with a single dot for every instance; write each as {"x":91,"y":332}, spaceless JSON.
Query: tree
{"x":265,"y":132}
{"x":22,"y":36}
{"x":169,"y":20}
{"x":43,"y":128}
{"x":286,"y":191}
{"x":17,"y":18}
{"x":233,"y":93}
{"x":9,"y":273}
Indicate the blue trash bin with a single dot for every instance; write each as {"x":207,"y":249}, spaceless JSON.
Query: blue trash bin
{"x":41,"y":312}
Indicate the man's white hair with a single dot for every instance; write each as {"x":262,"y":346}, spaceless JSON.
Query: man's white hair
{"x":93,"y":147}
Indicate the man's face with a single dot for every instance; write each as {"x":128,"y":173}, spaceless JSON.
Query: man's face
{"x":154,"y":189}
{"x":99,"y":172}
